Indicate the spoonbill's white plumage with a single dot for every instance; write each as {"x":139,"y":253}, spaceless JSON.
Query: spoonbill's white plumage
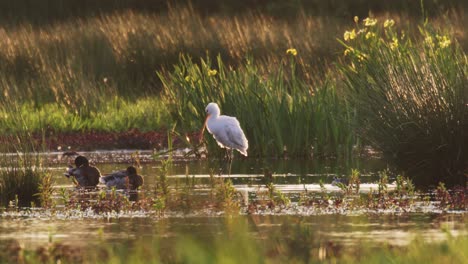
{"x":226,"y":130}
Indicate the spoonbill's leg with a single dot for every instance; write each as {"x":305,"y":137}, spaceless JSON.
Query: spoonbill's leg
{"x":222,"y":162}
{"x":231,"y":156}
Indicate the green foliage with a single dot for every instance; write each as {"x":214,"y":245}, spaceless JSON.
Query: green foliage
{"x":410,"y":95}
{"x":46,"y":191}
{"x":383,"y":181}
{"x":109,"y":114}
{"x":21,"y":178}
{"x":280,"y":113}
{"x":404,"y":186}
{"x":225,"y":196}
{"x":353,"y":184}
{"x":64,"y":195}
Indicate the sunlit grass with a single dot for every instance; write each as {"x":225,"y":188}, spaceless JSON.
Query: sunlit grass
{"x":282,"y":115}
{"x":73,"y":61}
{"x":410,"y":94}
{"x":112,"y":114}
{"x":21,"y":180}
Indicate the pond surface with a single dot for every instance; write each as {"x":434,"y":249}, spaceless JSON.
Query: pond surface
{"x":35,"y":227}
{"x":341,"y":230}
{"x":242,"y":170}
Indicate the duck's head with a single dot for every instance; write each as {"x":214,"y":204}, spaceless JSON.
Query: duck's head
{"x":131,"y":171}
{"x":80,"y":161}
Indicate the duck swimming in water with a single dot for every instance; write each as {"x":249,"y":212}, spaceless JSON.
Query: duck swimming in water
{"x":125,"y":179}
{"x":83,"y":174}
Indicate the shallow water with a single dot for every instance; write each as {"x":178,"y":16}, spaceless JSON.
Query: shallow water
{"x":344,"y":228}
{"x":246,"y":171}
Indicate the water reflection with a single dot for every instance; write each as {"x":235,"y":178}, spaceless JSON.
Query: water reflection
{"x":318,"y":229}
{"x":244,"y":171}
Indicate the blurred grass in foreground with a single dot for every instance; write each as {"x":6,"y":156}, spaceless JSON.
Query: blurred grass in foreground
{"x":237,"y":244}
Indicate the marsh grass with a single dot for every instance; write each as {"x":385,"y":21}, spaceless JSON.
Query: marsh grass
{"x":281,"y":114}
{"x":97,"y":71}
{"x":410,"y":95}
{"x":80,"y":64}
{"x":22,"y":176}
{"x":74,"y":61}
{"x":113,"y":115}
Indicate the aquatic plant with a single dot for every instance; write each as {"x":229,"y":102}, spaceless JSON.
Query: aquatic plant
{"x":383,"y":181}
{"x":351,"y":184}
{"x":21,"y":178}
{"x":226,"y":196}
{"x":113,"y":201}
{"x":46,"y":191}
{"x":162,"y":184}
{"x":281,"y":114}
{"x":159,"y":205}
{"x":404,"y":186}
{"x":410,"y":96}
{"x":454,"y":199}
{"x":276,"y":197}
{"x":64,"y":195}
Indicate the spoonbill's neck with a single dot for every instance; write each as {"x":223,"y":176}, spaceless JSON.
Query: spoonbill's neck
{"x":211,"y":119}
{"x":214,"y":116}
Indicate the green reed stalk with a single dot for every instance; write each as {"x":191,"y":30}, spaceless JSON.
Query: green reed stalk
{"x":410,"y":95}
{"x":21,"y":176}
{"x":281,"y":114}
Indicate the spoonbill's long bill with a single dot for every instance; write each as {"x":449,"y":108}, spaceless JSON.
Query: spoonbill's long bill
{"x":225,"y":130}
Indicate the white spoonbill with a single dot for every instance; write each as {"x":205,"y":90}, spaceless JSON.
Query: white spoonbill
{"x":225,"y":130}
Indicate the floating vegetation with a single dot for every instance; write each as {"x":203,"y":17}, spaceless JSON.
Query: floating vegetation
{"x":219,"y":195}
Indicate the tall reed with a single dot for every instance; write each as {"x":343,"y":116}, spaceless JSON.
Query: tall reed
{"x":22,"y":172}
{"x":281,"y":114}
{"x":410,"y":94}
{"x":21,"y":175}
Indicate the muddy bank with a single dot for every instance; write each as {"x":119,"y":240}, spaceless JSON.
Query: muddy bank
{"x":92,"y":140}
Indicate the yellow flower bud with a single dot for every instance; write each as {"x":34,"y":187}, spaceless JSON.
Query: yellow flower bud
{"x":212,"y":72}
{"x":291,"y":51}
{"x":389,"y":23}
{"x":369,"y":22}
